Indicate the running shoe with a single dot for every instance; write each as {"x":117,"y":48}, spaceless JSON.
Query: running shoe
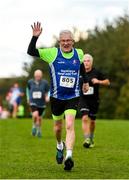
{"x":60,"y":155}
{"x":39,"y":134}
{"x":92,"y":144}
{"x":87,"y":143}
{"x":69,"y":164}
{"x":34,"y":131}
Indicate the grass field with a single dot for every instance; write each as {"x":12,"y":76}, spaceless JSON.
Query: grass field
{"x":24,"y":156}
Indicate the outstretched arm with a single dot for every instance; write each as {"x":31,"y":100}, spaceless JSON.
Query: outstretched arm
{"x":104,"y":82}
{"x":36,"y":30}
{"x":32,"y":47}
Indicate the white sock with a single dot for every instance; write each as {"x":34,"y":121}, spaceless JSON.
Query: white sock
{"x":38,"y":128}
{"x":34,"y":125}
{"x":60,"y":145}
{"x":68,"y":153}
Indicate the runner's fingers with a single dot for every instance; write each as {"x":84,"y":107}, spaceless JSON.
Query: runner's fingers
{"x":35,"y":26}
{"x":38,"y":25}
{"x":32,"y":27}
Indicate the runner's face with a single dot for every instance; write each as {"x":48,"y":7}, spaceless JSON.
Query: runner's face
{"x":38,"y":77}
{"x":66,"y":42}
{"x":87,"y":64}
{"x":15,"y":85}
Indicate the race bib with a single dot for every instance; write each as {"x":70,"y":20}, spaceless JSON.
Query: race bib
{"x":90,"y":91}
{"x":37,"y":95}
{"x":67,"y":81}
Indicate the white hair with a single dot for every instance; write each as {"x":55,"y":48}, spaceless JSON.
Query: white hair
{"x":88,"y":56}
{"x":66,"y":32}
{"x":38,"y":71}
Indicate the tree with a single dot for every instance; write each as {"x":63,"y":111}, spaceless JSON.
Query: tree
{"x":110,"y":49}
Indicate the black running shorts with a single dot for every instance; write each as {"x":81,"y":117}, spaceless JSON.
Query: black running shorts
{"x":35,"y":108}
{"x":58,"y":106}
{"x":88,"y":107}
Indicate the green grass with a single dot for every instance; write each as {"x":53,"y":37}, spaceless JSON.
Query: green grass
{"x":24,"y":156}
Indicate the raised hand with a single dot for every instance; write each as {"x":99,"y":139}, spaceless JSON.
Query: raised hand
{"x":37,"y":29}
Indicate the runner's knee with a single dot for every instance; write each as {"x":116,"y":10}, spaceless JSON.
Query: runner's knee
{"x":85,"y":118}
{"x":69,"y":125}
{"x":35,"y":114}
{"x":92,"y":122}
{"x":58,"y":127}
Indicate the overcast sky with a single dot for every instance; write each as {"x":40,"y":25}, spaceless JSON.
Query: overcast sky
{"x":16,"y":16}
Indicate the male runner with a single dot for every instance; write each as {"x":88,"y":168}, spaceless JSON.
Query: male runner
{"x":89,"y":101}
{"x":65,"y":64}
{"x":37,"y":93}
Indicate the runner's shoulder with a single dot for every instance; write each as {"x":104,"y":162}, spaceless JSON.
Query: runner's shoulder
{"x":30,"y":82}
{"x":96,"y":71}
{"x":79,"y":51}
{"x":80,"y":54}
{"x":48,"y":54}
{"x":49,"y":49}
{"x":44,"y":81}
